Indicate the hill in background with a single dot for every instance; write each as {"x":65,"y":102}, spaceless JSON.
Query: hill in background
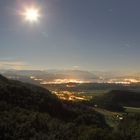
{"x":115,"y":100}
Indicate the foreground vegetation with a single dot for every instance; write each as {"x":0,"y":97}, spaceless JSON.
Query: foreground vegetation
{"x":29,"y":112}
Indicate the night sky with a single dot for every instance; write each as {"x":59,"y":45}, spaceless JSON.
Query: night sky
{"x":71,"y":34}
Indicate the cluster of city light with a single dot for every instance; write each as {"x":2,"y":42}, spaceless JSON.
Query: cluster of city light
{"x":68,"y":81}
{"x":66,"y":95}
{"x":132,"y":80}
{"x":126,"y":81}
{"x":57,"y":81}
{"x":36,"y":79}
{"x":119,"y":82}
{"x":63,"y":81}
{"x":123,"y":81}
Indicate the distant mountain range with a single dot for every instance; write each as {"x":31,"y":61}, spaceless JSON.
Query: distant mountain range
{"x":50,"y":75}
{"x":79,"y":75}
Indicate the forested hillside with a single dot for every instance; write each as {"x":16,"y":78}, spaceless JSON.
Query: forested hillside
{"x":28,"y":112}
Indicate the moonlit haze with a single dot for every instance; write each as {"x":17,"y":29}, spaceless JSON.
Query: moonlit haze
{"x":94,"y":35}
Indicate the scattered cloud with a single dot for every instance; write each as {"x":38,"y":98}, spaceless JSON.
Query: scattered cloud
{"x":13,"y":64}
{"x":76,"y":67}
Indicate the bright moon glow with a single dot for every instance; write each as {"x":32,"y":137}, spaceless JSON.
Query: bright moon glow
{"x":32,"y":15}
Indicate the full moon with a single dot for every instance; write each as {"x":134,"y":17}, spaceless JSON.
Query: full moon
{"x":32,"y":15}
